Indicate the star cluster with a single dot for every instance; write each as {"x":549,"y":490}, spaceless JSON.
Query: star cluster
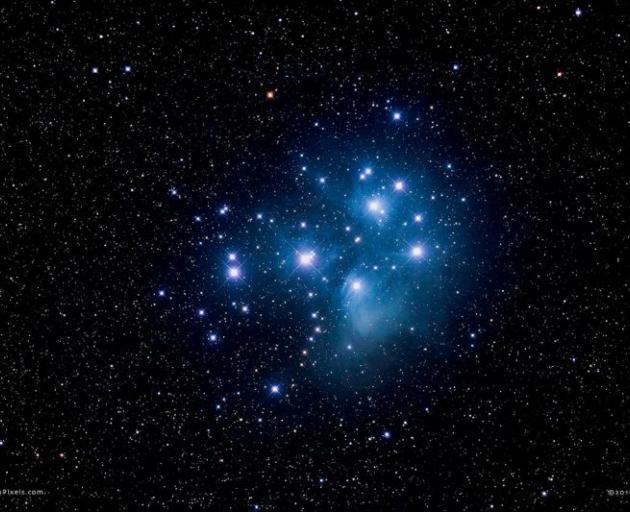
{"x":358,"y":256}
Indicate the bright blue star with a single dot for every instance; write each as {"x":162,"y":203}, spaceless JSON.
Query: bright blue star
{"x":417,"y":251}
{"x":234,"y":273}
{"x":375,"y":206}
{"x":306,"y":258}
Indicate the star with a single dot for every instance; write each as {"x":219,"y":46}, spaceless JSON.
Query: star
{"x":356,"y":285}
{"x":387,"y":434}
{"x":127,"y":68}
{"x":232,"y":256}
{"x":306,"y":259}
{"x":275,"y":389}
{"x":234,"y":272}
{"x":270,"y":94}
{"x":578,"y":12}
{"x":399,"y":186}
{"x":375,"y":206}
{"x":201,"y":312}
{"x":161,"y":293}
{"x":94,"y":70}
{"x":397,"y":116}
{"x":417,"y":251}
{"x":417,"y":218}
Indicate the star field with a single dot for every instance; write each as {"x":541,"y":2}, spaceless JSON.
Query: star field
{"x":358,"y":256}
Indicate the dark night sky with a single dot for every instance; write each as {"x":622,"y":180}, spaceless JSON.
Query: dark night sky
{"x":357,"y":256}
